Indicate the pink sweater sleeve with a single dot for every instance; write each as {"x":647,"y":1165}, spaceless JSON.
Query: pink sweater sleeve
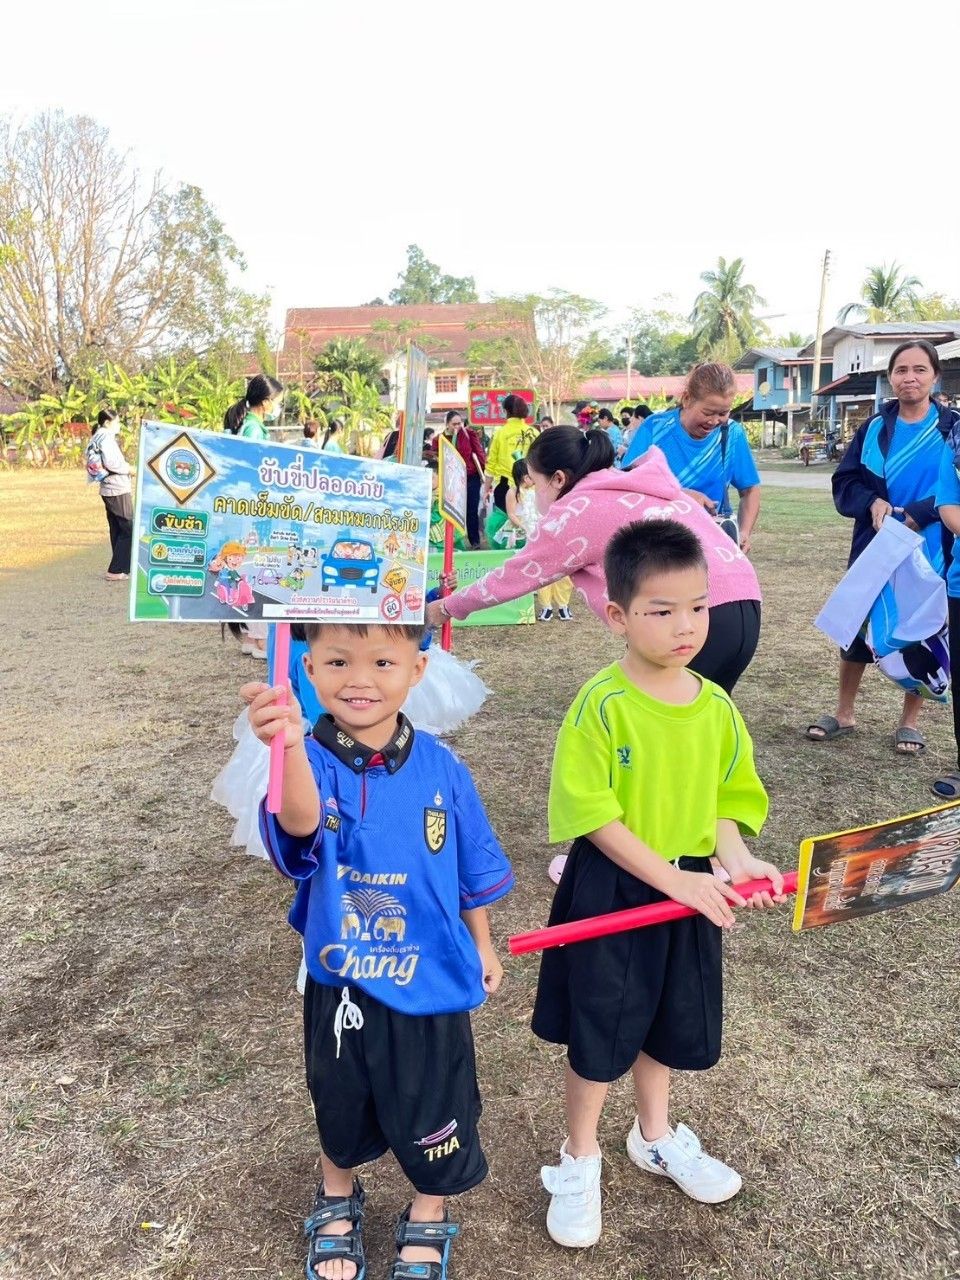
{"x":543,"y":560}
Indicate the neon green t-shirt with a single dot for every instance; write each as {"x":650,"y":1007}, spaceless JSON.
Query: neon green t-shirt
{"x":667,"y":772}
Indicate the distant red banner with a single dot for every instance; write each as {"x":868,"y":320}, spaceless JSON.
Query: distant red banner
{"x":486,"y":405}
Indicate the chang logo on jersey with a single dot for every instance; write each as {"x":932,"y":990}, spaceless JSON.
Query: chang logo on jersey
{"x":382,"y":915}
{"x":351,"y":964}
{"x":623,"y":755}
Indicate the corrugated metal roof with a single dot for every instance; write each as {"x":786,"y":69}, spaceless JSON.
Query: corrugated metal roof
{"x":780,"y":355}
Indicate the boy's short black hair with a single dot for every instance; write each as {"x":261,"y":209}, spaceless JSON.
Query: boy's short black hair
{"x":639,"y":550}
{"x":642,"y":411}
{"x":310,"y":631}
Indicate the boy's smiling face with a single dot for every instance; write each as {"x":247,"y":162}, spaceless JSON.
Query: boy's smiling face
{"x":363,"y":681}
{"x":665,"y":624}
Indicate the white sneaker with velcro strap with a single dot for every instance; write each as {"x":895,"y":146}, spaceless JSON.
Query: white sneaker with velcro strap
{"x":679,"y":1155}
{"x":573,"y":1218}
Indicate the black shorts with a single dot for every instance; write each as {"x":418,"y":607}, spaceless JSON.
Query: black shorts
{"x":732,"y":636}
{"x":858,"y":651}
{"x":657,"y":990}
{"x":401,"y":1083}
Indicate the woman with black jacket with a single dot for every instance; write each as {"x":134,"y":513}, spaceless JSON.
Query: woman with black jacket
{"x":891,"y":468}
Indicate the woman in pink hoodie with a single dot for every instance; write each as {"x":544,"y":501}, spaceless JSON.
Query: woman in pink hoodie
{"x":583,"y":501}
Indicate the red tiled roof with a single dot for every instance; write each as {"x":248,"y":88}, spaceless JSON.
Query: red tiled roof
{"x":611,"y":386}
{"x":444,"y":330}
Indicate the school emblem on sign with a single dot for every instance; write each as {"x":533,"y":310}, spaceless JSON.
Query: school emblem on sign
{"x":182,"y":468}
{"x":435,"y":829}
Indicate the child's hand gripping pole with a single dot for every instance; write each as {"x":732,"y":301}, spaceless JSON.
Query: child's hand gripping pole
{"x":446,"y":632}
{"x":278,"y":676}
{"x":560,"y":935}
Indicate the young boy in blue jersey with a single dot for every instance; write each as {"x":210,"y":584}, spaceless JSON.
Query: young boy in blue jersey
{"x":396,"y":863}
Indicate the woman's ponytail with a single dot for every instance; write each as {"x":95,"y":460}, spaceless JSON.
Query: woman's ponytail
{"x":261,"y":388}
{"x":233,"y":418}
{"x":572,"y":451}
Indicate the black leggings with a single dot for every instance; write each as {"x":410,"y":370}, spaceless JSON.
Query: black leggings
{"x":120,"y":520}
{"x":731,"y":643}
{"x":474,"y":485}
{"x":500,"y":493}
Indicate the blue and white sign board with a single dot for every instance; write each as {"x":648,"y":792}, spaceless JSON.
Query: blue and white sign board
{"x":228,"y":529}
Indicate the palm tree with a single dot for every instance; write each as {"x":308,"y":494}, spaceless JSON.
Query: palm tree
{"x":349,"y":355}
{"x":794,"y":339}
{"x":722,"y":315}
{"x":887,"y":294}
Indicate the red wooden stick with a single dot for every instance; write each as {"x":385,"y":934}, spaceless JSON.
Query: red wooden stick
{"x":560,"y":935}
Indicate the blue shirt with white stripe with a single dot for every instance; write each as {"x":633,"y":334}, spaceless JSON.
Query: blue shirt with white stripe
{"x":948,"y":495}
{"x":911,"y":468}
{"x":703,"y":465}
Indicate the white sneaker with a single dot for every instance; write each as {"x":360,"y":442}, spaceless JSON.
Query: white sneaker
{"x":545,"y":615}
{"x":573,"y":1218}
{"x":678,"y":1155}
{"x":253,"y":651}
{"x":565,"y":615}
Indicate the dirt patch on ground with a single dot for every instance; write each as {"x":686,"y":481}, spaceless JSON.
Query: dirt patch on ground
{"x":155,"y":1121}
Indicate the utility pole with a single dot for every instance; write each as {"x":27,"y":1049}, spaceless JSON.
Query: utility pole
{"x":629,"y":361}
{"x":818,"y":345}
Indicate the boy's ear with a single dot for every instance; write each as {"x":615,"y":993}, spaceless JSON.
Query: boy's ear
{"x":615,"y":616}
{"x":419,"y":667}
{"x":308,"y":664}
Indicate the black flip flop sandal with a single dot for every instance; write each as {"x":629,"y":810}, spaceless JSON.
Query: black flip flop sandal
{"x":830,"y":728}
{"x":348,"y":1247}
{"x":908,"y":737}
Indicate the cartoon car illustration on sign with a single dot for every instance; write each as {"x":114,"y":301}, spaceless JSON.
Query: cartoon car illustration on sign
{"x":350,"y":562}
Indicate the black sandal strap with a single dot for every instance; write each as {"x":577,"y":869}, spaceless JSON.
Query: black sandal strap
{"x":328,"y":1209}
{"x":429,"y":1235}
{"x":329,"y":1248}
{"x":416,"y":1270}
{"x":346,"y":1209}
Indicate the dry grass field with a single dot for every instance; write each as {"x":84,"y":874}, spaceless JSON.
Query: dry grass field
{"x":154,"y":1119}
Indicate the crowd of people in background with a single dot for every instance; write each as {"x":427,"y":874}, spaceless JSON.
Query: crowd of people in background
{"x":896,"y":465}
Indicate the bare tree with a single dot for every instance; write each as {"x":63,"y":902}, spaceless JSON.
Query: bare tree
{"x":547,"y":343}
{"x":97,"y":264}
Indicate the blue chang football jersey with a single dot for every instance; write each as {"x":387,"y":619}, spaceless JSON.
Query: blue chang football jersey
{"x":404,"y":845}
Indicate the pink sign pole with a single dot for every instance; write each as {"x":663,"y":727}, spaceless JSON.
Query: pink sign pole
{"x":279,"y":675}
{"x":560,"y":935}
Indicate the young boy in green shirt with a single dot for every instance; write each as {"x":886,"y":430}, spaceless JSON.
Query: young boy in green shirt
{"x":653,"y":774}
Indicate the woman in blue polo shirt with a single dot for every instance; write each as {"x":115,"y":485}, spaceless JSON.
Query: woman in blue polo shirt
{"x":704,"y":449}
{"x":892,"y":468}
{"x":948,"y":507}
